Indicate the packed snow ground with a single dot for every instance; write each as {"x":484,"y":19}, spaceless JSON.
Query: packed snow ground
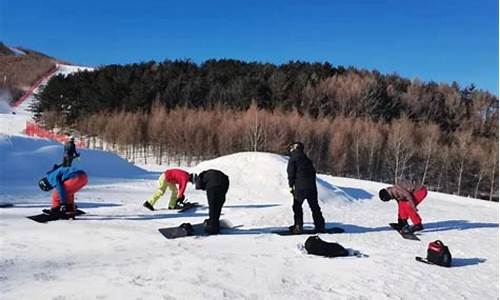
{"x":116,"y":252}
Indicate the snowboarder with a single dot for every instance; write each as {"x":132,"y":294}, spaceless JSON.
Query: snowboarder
{"x":66,"y":181}
{"x":408,"y":195}
{"x":216,"y":183}
{"x":170,"y":179}
{"x":302,"y":183}
{"x":69,"y":152}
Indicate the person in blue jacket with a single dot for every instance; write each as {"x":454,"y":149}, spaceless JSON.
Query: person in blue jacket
{"x":66,"y":181}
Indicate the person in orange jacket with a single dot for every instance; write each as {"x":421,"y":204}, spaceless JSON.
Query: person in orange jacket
{"x":170,"y":179}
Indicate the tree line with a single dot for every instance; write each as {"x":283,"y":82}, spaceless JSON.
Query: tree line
{"x":316,"y":89}
{"x":458,"y":163}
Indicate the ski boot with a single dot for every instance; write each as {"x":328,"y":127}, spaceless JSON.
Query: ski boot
{"x":67,"y":212}
{"x":400,"y":224}
{"x":52,"y":211}
{"x":412,"y":229}
{"x":296,"y":229}
{"x":148,"y":206}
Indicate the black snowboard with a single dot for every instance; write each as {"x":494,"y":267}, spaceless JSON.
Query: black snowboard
{"x":309,"y":231}
{"x":408,"y":236}
{"x":44,"y":218}
{"x":188,"y":206}
{"x":197,"y":230}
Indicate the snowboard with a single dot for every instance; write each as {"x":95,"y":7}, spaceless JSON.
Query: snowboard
{"x":44,"y":218}
{"x":190,"y":230}
{"x":188,"y":205}
{"x":408,"y":236}
{"x":309,"y":231}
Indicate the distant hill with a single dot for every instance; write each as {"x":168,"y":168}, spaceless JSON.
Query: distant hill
{"x":5,"y":51}
{"x":20,"y":68}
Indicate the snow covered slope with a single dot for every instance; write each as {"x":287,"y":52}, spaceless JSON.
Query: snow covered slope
{"x":25,"y":158}
{"x":116,"y":252}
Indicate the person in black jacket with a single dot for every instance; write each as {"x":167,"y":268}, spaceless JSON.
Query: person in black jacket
{"x":302,"y":183}
{"x":216,"y":184}
{"x":69,"y":152}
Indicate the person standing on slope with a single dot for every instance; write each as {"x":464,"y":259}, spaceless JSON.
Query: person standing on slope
{"x":302,"y":183}
{"x":216,"y":183}
{"x":408,"y":195}
{"x":170,"y":179}
{"x":66,"y":181}
{"x":69,"y":152}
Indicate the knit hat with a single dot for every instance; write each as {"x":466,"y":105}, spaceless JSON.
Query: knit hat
{"x":384,"y":195}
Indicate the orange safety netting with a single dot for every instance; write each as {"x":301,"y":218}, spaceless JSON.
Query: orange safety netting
{"x":33,"y":129}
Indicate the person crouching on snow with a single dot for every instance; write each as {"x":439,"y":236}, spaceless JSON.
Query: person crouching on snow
{"x":66,"y":181}
{"x":408,"y":195}
{"x":216,"y":184}
{"x":170,"y":179}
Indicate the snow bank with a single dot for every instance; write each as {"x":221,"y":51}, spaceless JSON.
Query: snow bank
{"x":27,"y":159}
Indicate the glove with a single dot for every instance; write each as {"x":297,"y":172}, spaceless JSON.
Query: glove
{"x":181,"y":199}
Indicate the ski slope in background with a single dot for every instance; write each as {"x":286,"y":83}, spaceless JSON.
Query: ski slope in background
{"x":13,"y":119}
{"x":116,"y":252}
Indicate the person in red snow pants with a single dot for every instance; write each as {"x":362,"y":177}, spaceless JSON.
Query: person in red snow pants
{"x":405,"y":210}
{"x":71,"y":186}
{"x":408,"y":195}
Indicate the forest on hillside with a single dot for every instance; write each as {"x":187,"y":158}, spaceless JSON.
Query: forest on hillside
{"x":355,"y":123}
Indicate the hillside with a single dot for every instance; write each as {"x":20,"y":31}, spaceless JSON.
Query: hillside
{"x":20,"y":68}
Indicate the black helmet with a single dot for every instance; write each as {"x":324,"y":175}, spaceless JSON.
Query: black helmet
{"x":384,"y":195}
{"x":45,"y":185}
{"x":296,"y":146}
{"x":192,"y":178}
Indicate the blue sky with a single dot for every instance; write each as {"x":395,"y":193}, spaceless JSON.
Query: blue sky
{"x":444,"y":41}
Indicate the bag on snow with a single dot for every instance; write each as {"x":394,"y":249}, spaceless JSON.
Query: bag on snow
{"x":439,"y":254}
{"x":315,"y":245}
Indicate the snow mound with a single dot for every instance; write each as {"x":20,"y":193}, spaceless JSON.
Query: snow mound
{"x":257,"y":174}
{"x":28,"y":159}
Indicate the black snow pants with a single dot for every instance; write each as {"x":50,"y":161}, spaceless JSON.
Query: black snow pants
{"x":312,"y":198}
{"x":216,"y":197}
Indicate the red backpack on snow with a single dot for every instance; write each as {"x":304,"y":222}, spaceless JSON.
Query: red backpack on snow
{"x":439,"y":254}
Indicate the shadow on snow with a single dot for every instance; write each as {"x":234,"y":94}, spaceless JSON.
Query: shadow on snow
{"x":352,"y":228}
{"x":463,"y":262}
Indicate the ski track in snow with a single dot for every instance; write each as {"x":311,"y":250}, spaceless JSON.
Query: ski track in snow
{"x":116,"y":252}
